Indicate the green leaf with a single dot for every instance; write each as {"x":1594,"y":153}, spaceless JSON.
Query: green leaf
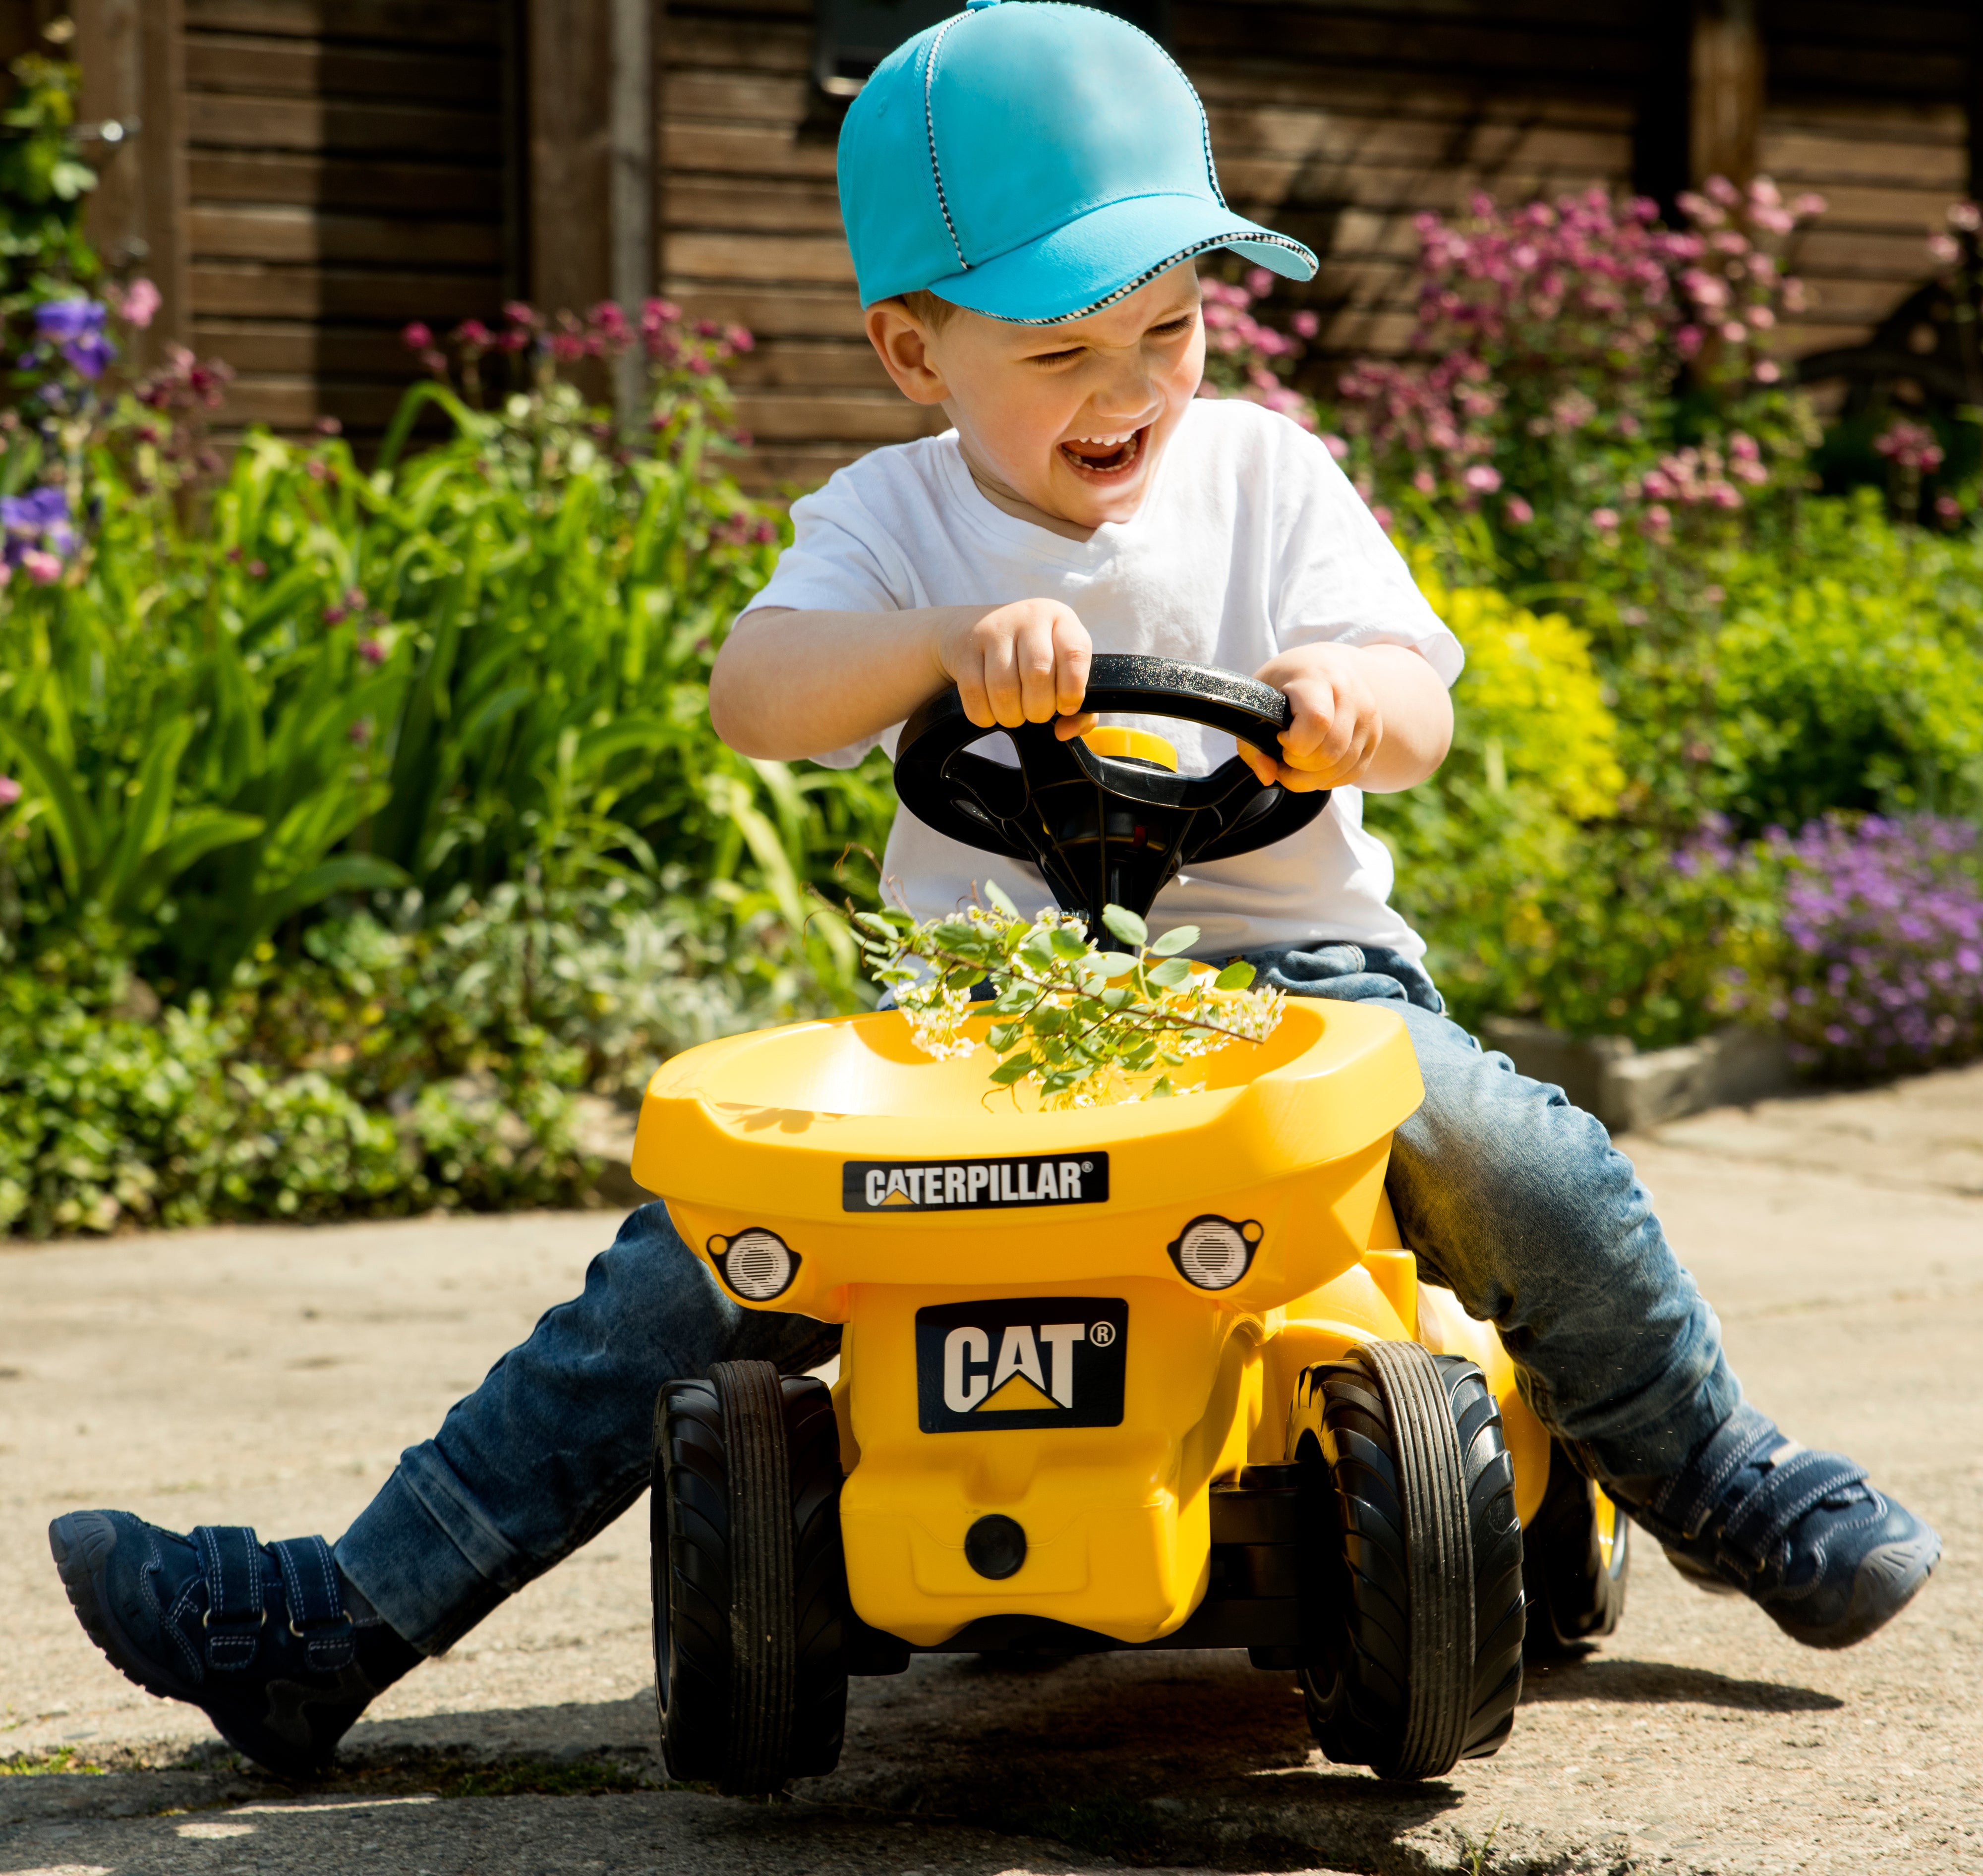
{"x":1161,"y":1089}
{"x":1181,"y":939}
{"x":1126,"y":925}
{"x":1003,"y":1036}
{"x":1117,"y":963}
{"x":1013,"y":1068}
{"x":1237,"y":975}
{"x":994,"y":892}
{"x":1172,"y":971}
{"x":1068,"y":944}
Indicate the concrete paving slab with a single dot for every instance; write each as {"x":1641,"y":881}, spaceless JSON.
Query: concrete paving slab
{"x":270,"y":1376}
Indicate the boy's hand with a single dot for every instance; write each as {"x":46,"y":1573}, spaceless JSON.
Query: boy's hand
{"x":1338,"y":723}
{"x":1025,"y":662}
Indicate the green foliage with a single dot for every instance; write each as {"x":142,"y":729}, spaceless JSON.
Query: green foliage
{"x":241,"y":1108}
{"x":447,"y":673}
{"x":1079,"y":1024}
{"x":1858,"y":682}
{"x":43,"y":180}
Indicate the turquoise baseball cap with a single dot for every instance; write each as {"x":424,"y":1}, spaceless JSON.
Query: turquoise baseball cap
{"x":1035,"y":160}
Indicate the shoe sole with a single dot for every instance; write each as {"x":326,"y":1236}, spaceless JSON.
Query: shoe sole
{"x":1888,"y":1578}
{"x":78,"y":1542}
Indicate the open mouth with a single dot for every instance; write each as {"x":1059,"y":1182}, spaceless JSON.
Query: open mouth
{"x":1105,"y":457}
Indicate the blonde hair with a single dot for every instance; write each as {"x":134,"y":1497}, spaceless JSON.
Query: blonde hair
{"x":928,"y":309}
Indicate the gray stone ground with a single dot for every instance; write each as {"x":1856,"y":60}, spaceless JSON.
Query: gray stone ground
{"x":270,"y":1375}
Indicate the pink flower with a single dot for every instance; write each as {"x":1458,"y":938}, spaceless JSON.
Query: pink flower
{"x":1808,"y":204}
{"x":1306,"y":324}
{"x":1768,"y":371}
{"x":1910,"y":446}
{"x":1686,"y":341}
{"x":521,"y":312}
{"x":1424,"y":481}
{"x":473,"y":334}
{"x":417,"y":336}
{"x":42,"y":567}
{"x":10,"y":791}
{"x":1658,"y":520}
{"x":1605,"y":520}
{"x":141,"y":301}
{"x":1382,"y":516}
{"x":371,"y":651}
{"x":1259,"y":282}
{"x":1519,"y":512}
{"x":1965,"y":215}
{"x":360,"y":732}
{"x":1947,"y":509}
{"x":1761,"y":318}
{"x":1482,"y":479}
{"x":1945,"y":248}
{"x":1336,"y":447}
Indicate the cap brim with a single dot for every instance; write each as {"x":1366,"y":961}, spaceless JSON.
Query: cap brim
{"x":1111,"y":251}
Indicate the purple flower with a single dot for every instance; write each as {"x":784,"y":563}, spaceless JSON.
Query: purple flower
{"x":75,"y":328}
{"x":37,"y":521}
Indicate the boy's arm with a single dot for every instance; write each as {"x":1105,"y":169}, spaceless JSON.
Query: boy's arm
{"x":790,"y":684}
{"x":1376,"y":716}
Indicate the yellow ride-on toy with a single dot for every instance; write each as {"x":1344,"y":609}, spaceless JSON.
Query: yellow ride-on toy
{"x":1154,"y":1375}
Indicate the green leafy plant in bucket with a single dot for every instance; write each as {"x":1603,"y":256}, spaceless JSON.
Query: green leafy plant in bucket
{"x":1083,"y":1025}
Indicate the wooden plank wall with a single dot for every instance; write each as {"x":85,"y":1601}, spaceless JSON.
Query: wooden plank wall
{"x":1867,"y":106}
{"x":351,"y":164}
{"x":347,"y":172}
{"x":1337,"y":121}
{"x":752,"y":234}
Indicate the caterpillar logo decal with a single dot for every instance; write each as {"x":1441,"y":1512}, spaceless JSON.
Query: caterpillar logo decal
{"x":973,"y":1185}
{"x":1013,"y":1363}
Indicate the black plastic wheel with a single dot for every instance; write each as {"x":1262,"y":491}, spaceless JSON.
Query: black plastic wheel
{"x":1575,"y":1554}
{"x":1413,"y":1579}
{"x":749,"y":1584}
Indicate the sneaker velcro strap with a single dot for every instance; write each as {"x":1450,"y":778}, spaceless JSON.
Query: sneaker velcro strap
{"x":317,"y":1616}
{"x":1690,"y":1498}
{"x":1785,"y":1493}
{"x":235,"y":1607}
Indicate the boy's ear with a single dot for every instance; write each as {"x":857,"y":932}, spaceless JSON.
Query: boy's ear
{"x":902,"y":342}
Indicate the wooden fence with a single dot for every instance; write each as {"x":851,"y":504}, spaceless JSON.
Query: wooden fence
{"x":307,"y":175}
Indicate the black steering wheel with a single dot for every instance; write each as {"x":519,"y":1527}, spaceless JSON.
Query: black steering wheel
{"x":1106,"y":830}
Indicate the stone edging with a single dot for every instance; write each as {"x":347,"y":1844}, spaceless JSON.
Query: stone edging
{"x":1625,"y":1089}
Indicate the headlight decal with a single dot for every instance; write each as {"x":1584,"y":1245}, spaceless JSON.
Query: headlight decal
{"x":756,"y":1264}
{"x":1213,"y":1253}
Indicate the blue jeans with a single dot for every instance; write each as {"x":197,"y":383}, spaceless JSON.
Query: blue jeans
{"x":1508,"y":1195}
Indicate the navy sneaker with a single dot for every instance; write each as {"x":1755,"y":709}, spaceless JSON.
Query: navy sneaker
{"x":1801,"y":1534}
{"x":270,"y":1641}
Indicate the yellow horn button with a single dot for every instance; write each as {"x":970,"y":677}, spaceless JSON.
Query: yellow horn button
{"x":1135,"y":745}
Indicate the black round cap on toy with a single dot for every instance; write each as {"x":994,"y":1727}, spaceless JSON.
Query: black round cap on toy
{"x":995,"y":1547}
{"x":1106,"y":830}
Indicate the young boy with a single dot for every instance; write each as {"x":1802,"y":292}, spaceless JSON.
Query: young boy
{"x":1025,"y":187}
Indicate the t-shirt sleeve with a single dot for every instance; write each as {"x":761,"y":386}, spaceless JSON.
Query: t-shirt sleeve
{"x":839,"y":561}
{"x":1338,"y":577}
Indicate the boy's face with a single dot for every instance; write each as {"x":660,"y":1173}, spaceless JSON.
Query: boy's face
{"x":1072,"y":419}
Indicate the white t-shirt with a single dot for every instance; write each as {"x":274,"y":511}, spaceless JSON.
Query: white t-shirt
{"x":1250,"y":541}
